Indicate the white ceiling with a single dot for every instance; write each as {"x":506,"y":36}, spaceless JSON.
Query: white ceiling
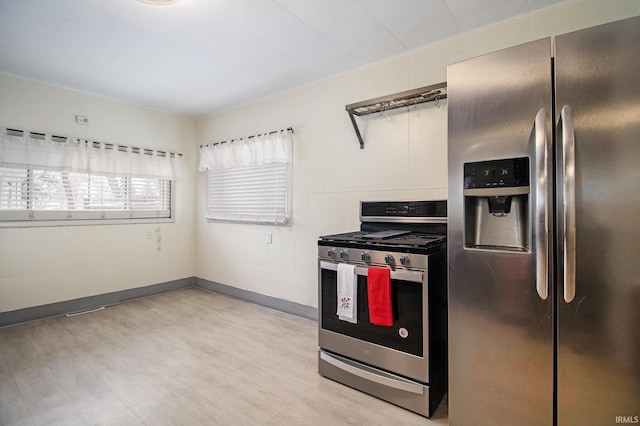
{"x":197,"y":57}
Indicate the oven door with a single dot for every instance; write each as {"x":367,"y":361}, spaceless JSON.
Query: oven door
{"x":402,"y":348}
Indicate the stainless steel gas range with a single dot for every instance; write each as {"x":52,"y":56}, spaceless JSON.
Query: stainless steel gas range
{"x":403,"y":361}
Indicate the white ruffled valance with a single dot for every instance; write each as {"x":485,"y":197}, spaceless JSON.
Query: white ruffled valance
{"x":27,"y":152}
{"x":124,"y":161}
{"x":81,"y":156}
{"x":256,"y":151}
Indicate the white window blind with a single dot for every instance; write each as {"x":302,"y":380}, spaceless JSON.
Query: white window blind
{"x":48,"y":178}
{"x":27,"y":194}
{"x":249,"y":180}
{"x":250,"y":194}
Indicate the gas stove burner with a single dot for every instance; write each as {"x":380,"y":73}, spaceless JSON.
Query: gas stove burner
{"x":384,"y":235}
{"x":408,"y":241}
{"x":405,"y":227}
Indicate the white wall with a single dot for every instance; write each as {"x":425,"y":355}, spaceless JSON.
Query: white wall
{"x":46,"y":265}
{"x":404,"y":157}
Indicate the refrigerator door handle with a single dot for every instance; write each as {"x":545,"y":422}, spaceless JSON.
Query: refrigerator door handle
{"x":568,"y":201}
{"x":542,"y":155}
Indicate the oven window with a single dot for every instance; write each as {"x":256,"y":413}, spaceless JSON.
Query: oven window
{"x":405,"y":335}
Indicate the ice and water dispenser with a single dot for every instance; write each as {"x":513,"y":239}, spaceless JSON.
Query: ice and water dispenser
{"x":496,"y":205}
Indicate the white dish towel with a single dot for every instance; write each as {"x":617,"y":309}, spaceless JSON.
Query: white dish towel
{"x":347,"y":293}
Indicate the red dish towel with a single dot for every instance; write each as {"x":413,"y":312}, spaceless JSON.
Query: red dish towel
{"x":379,"y":294}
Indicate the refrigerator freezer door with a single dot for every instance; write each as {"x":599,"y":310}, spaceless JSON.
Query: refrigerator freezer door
{"x":500,"y":327}
{"x":598,"y":78}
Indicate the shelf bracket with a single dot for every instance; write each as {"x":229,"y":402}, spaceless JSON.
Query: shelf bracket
{"x":355,"y":127}
{"x":421,"y":95}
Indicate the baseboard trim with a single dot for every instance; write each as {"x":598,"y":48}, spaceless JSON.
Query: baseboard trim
{"x":75,"y":306}
{"x":91,"y":302}
{"x":293,"y":308}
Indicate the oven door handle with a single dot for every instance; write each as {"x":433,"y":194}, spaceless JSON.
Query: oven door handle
{"x":393,"y":382}
{"x":403,"y":275}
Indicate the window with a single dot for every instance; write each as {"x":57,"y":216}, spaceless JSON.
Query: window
{"x":51,"y":178}
{"x":250,"y":194}
{"x":249,"y":180}
{"x":29,"y":194}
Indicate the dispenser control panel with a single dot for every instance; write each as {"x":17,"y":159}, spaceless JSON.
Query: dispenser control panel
{"x":509,"y":172}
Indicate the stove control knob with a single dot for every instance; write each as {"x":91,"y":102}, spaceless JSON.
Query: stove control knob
{"x":404,"y":260}
{"x":344,"y":254}
{"x":365,"y":256}
{"x":389,"y":260}
{"x":332,"y":252}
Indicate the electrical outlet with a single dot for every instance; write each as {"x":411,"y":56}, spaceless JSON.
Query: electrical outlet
{"x":149,"y":234}
{"x":269,"y":237}
{"x":82,"y":119}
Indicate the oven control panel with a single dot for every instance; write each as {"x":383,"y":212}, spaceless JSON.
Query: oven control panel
{"x":390,"y":210}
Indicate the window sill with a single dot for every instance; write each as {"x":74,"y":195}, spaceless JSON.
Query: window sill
{"x":81,"y":222}
{"x":247,"y":222}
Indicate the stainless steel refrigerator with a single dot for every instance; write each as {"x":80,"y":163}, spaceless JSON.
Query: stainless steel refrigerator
{"x":544,"y":232}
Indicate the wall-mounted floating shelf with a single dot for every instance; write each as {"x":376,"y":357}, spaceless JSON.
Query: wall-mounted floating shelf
{"x":431,"y":93}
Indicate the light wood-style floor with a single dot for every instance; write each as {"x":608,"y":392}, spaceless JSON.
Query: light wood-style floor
{"x":184,"y":358}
